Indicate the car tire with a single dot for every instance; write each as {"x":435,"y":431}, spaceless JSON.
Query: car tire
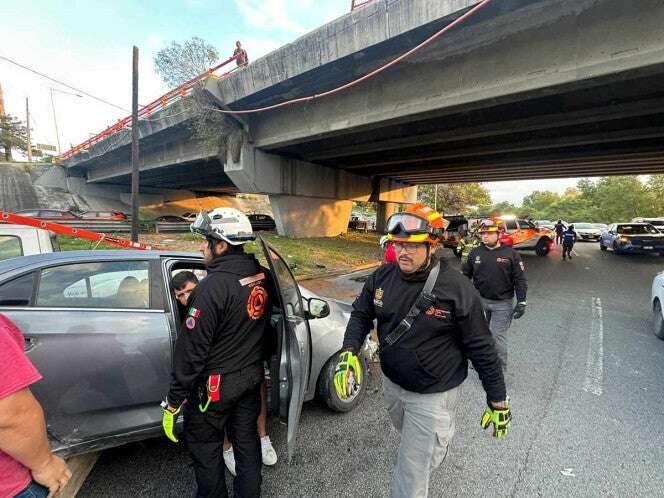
{"x":542,"y":247}
{"x":328,"y":393}
{"x":602,"y":247}
{"x":658,"y":320}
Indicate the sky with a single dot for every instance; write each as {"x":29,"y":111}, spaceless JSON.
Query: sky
{"x":88,"y":44}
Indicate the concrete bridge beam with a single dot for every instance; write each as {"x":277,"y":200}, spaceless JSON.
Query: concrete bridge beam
{"x":308,"y":200}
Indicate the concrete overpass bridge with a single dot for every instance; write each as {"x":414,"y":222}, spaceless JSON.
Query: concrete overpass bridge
{"x":522,"y":89}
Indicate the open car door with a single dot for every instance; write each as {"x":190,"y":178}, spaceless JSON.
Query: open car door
{"x":294,"y":344}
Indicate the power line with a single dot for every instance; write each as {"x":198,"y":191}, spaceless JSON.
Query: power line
{"x":62,"y":83}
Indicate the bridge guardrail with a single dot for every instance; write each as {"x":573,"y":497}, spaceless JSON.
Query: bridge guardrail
{"x":98,"y":225}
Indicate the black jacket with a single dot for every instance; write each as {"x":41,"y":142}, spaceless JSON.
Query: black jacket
{"x":497,"y":273}
{"x":225,"y":326}
{"x":432,"y":355}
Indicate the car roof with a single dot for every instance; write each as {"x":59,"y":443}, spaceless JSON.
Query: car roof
{"x":73,"y":256}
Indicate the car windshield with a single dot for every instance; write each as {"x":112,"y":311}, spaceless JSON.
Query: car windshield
{"x":657,"y":223}
{"x":637,"y":229}
{"x":599,"y":225}
{"x":584,"y":226}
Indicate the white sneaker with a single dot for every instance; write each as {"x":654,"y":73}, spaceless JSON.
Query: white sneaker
{"x":229,"y":460}
{"x":269,"y":455}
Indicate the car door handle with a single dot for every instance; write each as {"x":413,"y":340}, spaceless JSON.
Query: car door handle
{"x":29,"y":344}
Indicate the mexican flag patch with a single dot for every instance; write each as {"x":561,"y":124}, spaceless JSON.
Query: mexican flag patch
{"x":194,"y":312}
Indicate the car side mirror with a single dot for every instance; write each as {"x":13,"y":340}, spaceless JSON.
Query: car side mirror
{"x":317,"y":308}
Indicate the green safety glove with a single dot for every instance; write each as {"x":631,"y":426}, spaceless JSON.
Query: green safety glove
{"x":348,"y":366}
{"x":499,"y":417}
{"x":168,"y":420}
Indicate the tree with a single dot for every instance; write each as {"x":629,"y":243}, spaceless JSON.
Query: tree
{"x":180,"y":62}
{"x":13,"y":134}
{"x":455,"y":198}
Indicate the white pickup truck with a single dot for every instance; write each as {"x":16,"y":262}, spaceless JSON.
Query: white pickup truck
{"x":19,"y":240}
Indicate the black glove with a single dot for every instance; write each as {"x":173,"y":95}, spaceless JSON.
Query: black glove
{"x":519,"y":310}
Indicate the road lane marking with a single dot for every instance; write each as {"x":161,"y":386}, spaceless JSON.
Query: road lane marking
{"x":595,"y":360}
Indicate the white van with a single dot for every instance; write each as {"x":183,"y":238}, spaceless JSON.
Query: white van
{"x":20,"y":240}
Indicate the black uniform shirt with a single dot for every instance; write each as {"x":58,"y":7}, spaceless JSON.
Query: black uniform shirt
{"x":224,"y":328}
{"x":432,"y":355}
{"x":497,"y":273}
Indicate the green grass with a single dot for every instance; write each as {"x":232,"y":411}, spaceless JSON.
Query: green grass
{"x":305,"y":256}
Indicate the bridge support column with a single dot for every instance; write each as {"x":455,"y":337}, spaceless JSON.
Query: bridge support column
{"x":302,"y":217}
{"x":383,"y":211}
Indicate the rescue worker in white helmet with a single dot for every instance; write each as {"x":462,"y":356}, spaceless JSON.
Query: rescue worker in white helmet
{"x":218,"y":358}
{"x":430,"y":322}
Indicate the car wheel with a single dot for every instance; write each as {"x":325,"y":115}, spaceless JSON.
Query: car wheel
{"x":602,"y":247}
{"x":542,"y":247}
{"x":658,"y":320}
{"x":615,"y":249}
{"x":328,"y":393}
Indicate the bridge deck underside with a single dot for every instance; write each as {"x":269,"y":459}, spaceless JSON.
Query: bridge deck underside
{"x":615,"y":127}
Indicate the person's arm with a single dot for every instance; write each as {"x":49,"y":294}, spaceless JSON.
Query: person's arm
{"x":467,"y":267}
{"x":519,"y":278}
{"x":361,"y":319}
{"x":193,"y":344}
{"x":23,"y":438}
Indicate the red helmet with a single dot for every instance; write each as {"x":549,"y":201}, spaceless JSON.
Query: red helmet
{"x":418,"y":224}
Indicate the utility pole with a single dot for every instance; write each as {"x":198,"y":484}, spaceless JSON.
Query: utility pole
{"x":55,"y":122}
{"x":134,"y":147}
{"x":27,"y":123}
{"x":2,"y":102}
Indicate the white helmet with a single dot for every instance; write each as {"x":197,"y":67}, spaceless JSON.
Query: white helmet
{"x":227,"y":224}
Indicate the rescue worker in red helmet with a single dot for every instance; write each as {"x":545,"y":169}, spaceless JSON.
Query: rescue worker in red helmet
{"x":425,"y":341}
{"x":498,"y":274}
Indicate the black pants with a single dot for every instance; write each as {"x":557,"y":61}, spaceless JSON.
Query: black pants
{"x":567,"y":250}
{"x":559,"y":238}
{"x":235,"y":413}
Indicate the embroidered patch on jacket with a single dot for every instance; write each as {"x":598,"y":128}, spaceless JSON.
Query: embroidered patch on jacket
{"x":502,"y":260}
{"x":378,"y":297}
{"x":478,"y":260}
{"x":253,"y":279}
{"x":190,"y":322}
{"x":256,"y":302}
{"x":521,"y":265}
{"x":193,"y":312}
{"x":438,"y":313}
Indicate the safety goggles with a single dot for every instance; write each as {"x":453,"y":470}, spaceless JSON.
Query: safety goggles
{"x":201,"y":224}
{"x":407,"y":223}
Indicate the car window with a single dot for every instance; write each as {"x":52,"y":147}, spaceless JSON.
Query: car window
{"x":510,"y":225}
{"x":51,"y":214}
{"x":10,"y":247}
{"x":112,"y":284}
{"x":17,"y":292}
{"x":288,"y":287}
{"x":29,"y":213}
{"x":637,"y":229}
{"x":526,"y":224}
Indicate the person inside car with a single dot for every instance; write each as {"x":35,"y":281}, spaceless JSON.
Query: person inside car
{"x":183,"y":284}
{"x":218,"y":359}
{"x":28,"y":469}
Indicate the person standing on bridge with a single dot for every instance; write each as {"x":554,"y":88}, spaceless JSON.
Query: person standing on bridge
{"x":498,"y":273}
{"x":569,"y":238}
{"x":430,"y":322}
{"x":240,"y":54}
{"x":218,"y":359}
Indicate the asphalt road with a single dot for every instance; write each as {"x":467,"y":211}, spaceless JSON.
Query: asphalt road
{"x":585,"y":378}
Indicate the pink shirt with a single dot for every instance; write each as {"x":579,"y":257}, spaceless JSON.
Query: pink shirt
{"x":16,"y":373}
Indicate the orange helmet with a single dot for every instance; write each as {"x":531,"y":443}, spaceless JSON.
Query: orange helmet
{"x":418,"y":224}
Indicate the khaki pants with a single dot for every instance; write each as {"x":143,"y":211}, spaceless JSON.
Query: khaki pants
{"x":426,"y":425}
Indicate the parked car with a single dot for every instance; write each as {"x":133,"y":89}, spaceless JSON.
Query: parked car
{"x":455,"y":231}
{"x":544,"y":223}
{"x":170,"y":218}
{"x":261,"y":222}
{"x":358,"y":222}
{"x":526,"y":236}
{"x":657,"y":302}
{"x":100,"y":327}
{"x":20,"y":240}
{"x":49,"y":214}
{"x":632,"y":238}
{"x":601,"y":226}
{"x":104,"y":215}
{"x":587,"y":231}
{"x":658,"y":223}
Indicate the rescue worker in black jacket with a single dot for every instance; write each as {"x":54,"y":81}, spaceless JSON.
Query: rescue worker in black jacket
{"x":218,"y":359}
{"x":423,"y":369}
{"x":498,"y":273}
